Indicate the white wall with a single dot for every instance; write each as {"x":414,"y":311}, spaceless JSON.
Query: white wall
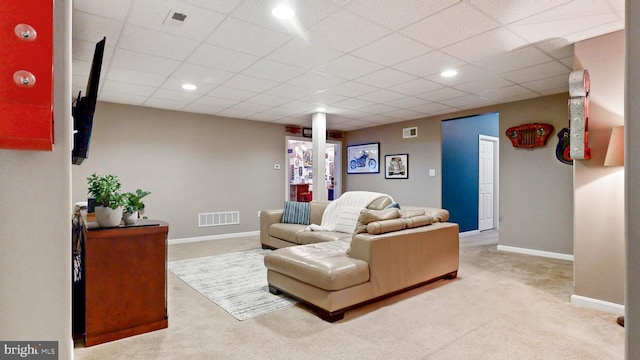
{"x":35,"y":223}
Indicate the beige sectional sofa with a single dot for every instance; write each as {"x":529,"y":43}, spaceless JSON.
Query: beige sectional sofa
{"x":391,"y":250}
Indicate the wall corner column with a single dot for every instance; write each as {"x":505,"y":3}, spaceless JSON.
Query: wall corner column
{"x":319,"y":131}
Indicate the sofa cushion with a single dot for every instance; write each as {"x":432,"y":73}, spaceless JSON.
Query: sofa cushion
{"x":406,"y":213}
{"x":319,"y":266}
{"x":312,"y":237}
{"x":385,"y":226}
{"x":368,"y":216}
{"x":420,"y":220}
{"x":296,"y":213}
{"x":286,"y":232}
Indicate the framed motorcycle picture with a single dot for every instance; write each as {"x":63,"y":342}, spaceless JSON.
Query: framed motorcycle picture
{"x":363,"y":158}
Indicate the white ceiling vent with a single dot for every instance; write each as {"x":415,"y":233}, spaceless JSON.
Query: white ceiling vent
{"x":410,"y":132}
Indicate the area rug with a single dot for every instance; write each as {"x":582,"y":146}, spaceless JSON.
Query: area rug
{"x":237,"y":282}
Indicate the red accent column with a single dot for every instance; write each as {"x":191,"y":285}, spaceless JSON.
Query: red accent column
{"x":26,"y":75}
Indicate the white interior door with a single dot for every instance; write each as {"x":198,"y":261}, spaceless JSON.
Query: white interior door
{"x":487,"y":197}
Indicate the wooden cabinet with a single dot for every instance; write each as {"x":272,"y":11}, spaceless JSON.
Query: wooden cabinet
{"x":125,"y":273}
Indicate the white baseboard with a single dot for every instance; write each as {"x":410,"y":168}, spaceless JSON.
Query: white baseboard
{"x":212,"y":237}
{"x":591,"y":303}
{"x":525,"y":251}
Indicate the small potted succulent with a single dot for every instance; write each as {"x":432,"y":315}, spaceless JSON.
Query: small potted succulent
{"x":109,"y":199}
{"x":133,"y":205}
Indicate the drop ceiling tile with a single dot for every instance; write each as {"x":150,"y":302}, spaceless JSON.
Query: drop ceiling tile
{"x":552,"y":83}
{"x":404,"y":114}
{"x":249,"y":107}
{"x":127,"y":88}
{"x":324,"y":98}
{"x":248,"y":38}
{"x":351,"y":89}
{"x":236,"y":113}
{"x":346,"y":32}
{"x":273,"y":70}
{"x":300,"y":106}
{"x":378,"y":109}
{"x":385,"y":78}
{"x":222,"y":6}
{"x":203,"y":108}
{"x":567,"y":19}
{"x":415,"y":87}
{"x":517,"y":59}
{"x":542,"y":71}
{"x":263,"y":116}
{"x":115,"y":9}
{"x":135,"y":77}
{"x":509,"y":92}
{"x":398,"y":13}
{"x":219,"y":58}
{"x":136,"y":38}
{"x":143,"y":62}
{"x":348,"y":67}
{"x":175,"y":84}
{"x":307,"y":13}
{"x":199,"y":74}
{"x":354,"y":104}
{"x":381,"y":96}
{"x":442,"y":94}
{"x":406,"y":102}
{"x":157,"y":15}
{"x":482,"y":84}
{"x":289,"y":91}
{"x":231,"y":93}
{"x":428,"y":64}
{"x":450,"y":26}
{"x":432,"y":108}
{"x":508,"y":12}
{"x":250,"y":83}
{"x":468,"y":102}
{"x":568,"y":62}
{"x":315,"y":80}
{"x":556,"y":48}
{"x":596,"y":31}
{"x":266,"y":99}
{"x":165,"y":104}
{"x":121,"y":98}
{"x":490,"y":43}
{"x":391,"y":50}
{"x":175,"y":95}
{"x":303,"y":54}
{"x":93,"y":28}
{"x":215,"y":102}
{"x":282,"y":112}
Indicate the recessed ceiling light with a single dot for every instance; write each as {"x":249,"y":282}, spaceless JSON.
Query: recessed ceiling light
{"x":189,"y":87}
{"x":448,"y":73}
{"x":321,"y":109}
{"x":283,"y":12}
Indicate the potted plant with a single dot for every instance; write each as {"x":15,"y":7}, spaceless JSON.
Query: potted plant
{"x":133,"y":205}
{"x":109,"y":199}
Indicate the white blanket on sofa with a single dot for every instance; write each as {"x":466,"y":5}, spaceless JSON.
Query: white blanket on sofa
{"x":342,"y":214}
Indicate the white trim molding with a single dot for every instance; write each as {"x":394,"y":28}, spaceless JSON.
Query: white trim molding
{"x":591,"y":303}
{"x":525,"y":251}
{"x":212,"y":237}
{"x":469,"y":233}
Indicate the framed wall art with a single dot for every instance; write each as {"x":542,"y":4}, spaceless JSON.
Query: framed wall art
{"x":363,"y":158}
{"x":396,"y":166}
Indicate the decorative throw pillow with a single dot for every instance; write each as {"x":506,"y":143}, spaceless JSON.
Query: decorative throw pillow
{"x":296,"y":213}
{"x":347,"y":219}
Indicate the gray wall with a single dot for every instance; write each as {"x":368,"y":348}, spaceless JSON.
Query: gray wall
{"x":191,"y":163}
{"x":536,"y":190}
{"x":35,"y":221}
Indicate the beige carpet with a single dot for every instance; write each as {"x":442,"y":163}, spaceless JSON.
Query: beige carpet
{"x":502,"y":306}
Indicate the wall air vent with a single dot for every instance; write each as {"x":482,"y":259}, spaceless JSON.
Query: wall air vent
{"x":218,"y":218}
{"x":410,"y":132}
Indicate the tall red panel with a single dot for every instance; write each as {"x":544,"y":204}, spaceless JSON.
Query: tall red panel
{"x":26,"y":74}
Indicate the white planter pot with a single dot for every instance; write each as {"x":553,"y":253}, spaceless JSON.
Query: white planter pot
{"x":130,"y":218}
{"x":108,"y":217}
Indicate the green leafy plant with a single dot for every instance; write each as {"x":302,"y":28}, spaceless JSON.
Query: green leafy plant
{"x":106,"y":190}
{"x":133,"y":201}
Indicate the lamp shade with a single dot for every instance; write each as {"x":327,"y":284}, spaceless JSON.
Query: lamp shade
{"x":615,"y":151}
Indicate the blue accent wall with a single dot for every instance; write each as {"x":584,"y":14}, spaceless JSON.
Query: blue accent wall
{"x":460,"y":166}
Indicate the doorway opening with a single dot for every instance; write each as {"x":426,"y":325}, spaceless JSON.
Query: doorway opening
{"x":300,"y":181}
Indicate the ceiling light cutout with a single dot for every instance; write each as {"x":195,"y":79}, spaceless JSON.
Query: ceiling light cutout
{"x":189,"y":87}
{"x":283,"y":12}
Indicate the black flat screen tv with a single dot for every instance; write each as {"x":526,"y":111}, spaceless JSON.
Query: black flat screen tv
{"x":84,"y":108}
